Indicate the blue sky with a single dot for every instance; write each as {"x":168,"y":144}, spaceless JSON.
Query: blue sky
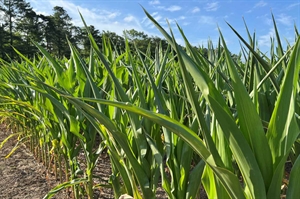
{"x":199,"y":19}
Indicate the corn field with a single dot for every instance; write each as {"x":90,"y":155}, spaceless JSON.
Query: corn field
{"x":180,"y":120}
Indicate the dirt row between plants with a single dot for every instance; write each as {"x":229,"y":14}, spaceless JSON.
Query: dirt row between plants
{"x":23,"y":177}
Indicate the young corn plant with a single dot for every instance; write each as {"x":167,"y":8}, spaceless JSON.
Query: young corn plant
{"x":181,"y":120}
{"x":261,"y":163}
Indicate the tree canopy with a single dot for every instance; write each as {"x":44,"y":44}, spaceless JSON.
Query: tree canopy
{"x":19,"y":24}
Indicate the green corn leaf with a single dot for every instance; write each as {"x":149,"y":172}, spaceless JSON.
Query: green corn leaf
{"x":228,"y":179}
{"x":240,"y":148}
{"x":197,"y":110}
{"x":195,"y":104}
{"x":134,"y":121}
{"x":194,"y":186}
{"x":264,"y":64}
{"x":159,"y":160}
{"x":283,"y":129}
{"x":294,"y":183}
{"x":58,"y":69}
{"x":64,"y":185}
{"x":250,"y":123}
{"x":121,"y":138}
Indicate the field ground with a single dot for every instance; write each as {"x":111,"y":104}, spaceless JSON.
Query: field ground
{"x":22,"y":177}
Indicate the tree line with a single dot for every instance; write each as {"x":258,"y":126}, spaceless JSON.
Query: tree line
{"x":20,"y":24}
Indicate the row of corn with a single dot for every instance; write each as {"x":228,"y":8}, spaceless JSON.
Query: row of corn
{"x":181,"y":120}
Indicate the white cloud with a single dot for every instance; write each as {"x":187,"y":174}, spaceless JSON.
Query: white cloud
{"x":207,"y":20}
{"x":154,"y":13}
{"x":212,"y":6}
{"x":195,"y":9}
{"x":155,"y":2}
{"x":174,"y":21}
{"x":180,"y":41}
{"x":293,"y":5}
{"x":2,"y":14}
{"x":146,"y":22}
{"x":129,"y":18}
{"x":186,"y":23}
{"x":260,"y":4}
{"x":158,"y":17}
{"x":113,"y":15}
{"x":173,"y":8}
{"x":102,"y":19}
{"x":265,"y":19}
{"x":41,"y":13}
{"x":265,"y":40}
{"x":285,"y":19}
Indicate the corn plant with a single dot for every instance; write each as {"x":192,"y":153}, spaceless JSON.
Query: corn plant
{"x":179,"y":120}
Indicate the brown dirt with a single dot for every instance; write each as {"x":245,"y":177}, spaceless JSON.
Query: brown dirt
{"x":23,"y":177}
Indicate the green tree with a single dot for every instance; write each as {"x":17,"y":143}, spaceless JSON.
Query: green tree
{"x":63,"y":27}
{"x":48,"y":32}
{"x":29,"y":28}
{"x":12,"y":11}
{"x":142,"y":41}
{"x":3,"y":43}
{"x":116,"y":40}
{"x":56,"y":28}
{"x":82,"y":40}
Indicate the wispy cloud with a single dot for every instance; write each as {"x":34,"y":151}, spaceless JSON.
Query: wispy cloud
{"x":264,"y":40}
{"x":129,"y":18}
{"x":155,"y":2}
{"x":260,"y":4}
{"x":186,"y":23}
{"x":173,"y":8}
{"x":285,"y":19}
{"x":174,"y":20}
{"x":293,"y":5}
{"x":212,"y":6}
{"x":204,"y":19}
{"x":113,"y":15}
{"x":158,"y":17}
{"x":257,"y":5}
{"x":146,"y":22}
{"x":265,"y":19}
{"x":195,"y":10}
{"x":102,"y":19}
{"x":170,"y":9}
{"x":226,"y":17}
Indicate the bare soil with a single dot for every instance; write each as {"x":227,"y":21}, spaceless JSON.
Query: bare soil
{"x":23,"y":177}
